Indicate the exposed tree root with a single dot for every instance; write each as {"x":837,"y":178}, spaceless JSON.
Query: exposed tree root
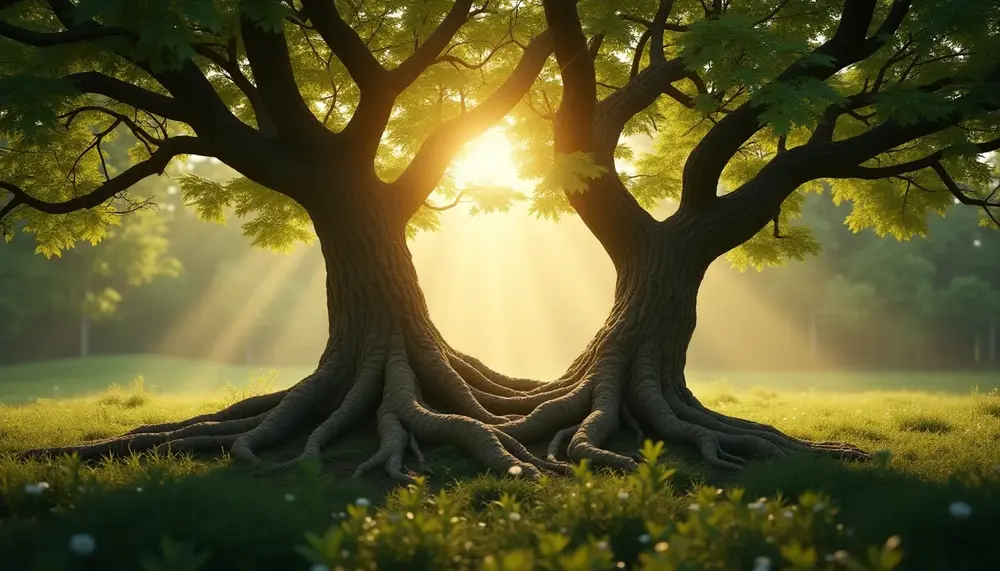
{"x":422,"y":390}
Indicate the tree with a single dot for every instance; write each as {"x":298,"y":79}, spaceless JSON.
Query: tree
{"x":316,"y":104}
{"x":892,"y":102}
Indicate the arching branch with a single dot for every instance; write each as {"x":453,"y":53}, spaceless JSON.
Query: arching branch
{"x":272,"y":70}
{"x":425,"y":54}
{"x":606,"y":207}
{"x":349,"y":48}
{"x":155,"y":164}
{"x":426,"y":168}
{"x":849,"y":44}
{"x":229,"y":65}
{"x":51,"y":39}
{"x":128,"y":94}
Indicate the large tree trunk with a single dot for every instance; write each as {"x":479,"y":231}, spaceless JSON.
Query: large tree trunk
{"x":636,"y":362}
{"x":383,"y":357}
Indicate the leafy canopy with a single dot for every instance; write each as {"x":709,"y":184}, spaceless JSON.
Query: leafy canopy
{"x":941,"y":61}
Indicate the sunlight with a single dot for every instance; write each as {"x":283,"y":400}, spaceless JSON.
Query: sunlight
{"x":487,"y":160}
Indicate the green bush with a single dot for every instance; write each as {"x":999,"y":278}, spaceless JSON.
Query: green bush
{"x":593,"y":522}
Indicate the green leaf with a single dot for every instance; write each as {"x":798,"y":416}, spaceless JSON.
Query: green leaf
{"x":572,"y":172}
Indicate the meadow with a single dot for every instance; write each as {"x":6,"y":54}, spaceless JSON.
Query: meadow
{"x":929,"y":500}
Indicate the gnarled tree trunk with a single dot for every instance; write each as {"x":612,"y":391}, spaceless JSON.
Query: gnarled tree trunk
{"x":383,"y":357}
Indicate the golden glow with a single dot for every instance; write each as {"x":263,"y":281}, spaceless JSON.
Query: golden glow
{"x":487,"y":160}
{"x":525,"y":295}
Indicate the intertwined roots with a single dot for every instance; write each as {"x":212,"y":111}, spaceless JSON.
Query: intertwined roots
{"x":491,"y":416}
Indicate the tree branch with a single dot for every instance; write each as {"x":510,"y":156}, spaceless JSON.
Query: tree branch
{"x":425,"y":55}
{"x":637,"y":57}
{"x":272,"y":70}
{"x":155,"y":164}
{"x":875,"y":173}
{"x":231,"y":67}
{"x":50,"y":39}
{"x":128,"y":94}
{"x":345,"y":43}
{"x":424,"y":172}
{"x":848,"y":45}
{"x":663,"y":10}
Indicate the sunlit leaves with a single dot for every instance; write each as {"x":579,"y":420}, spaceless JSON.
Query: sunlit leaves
{"x":795,"y":103}
{"x":267,"y":14}
{"x":488,"y":199}
{"x":572,"y":172}
{"x":766,"y":249}
{"x":278,"y":221}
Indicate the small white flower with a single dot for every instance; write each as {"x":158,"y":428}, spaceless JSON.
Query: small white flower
{"x":602,"y":545}
{"x":644,"y":538}
{"x":82,"y":544}
{"x":757,"y":506}
{"x":789,"y":514}
{"x":36,"y":489}
{"x":482,"y":524}
{"x":661,"y":547}
{"x":289,"y":497}
{"x":319,"y":567}
{"x":623,"y":495}
{"x":620,"y":565}
{"x":960,"y":510}
{"x":762,"y":564}
{"x":515,"y":516}
{"x":362,"y":502}
{"x":139,"y":490}
{"x":893,"y":542}
{"x":694,"y":507}
{"x":514,"y":470}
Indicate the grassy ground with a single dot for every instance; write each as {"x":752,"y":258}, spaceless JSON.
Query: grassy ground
{"x":67,"y":378}
{"x":944,"y":449}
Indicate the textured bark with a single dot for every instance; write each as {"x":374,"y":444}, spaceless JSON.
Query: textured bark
{"x":384,"y":358}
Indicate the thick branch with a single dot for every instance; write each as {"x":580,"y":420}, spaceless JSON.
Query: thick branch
{"x":428,"y":165}
{"x":606,"y":207}
{"x":155,"y":164}
{"x":128,"y":94}
{"x":656,"y":31}
{"x":428,"y":52}
{"x":640,"y":92}
{"x":875,"y":173}
{"x":50,"y":39}
{"x":848,"y":45}
{"x":231,"y":67}
{"x":272,"y":70}
{"x":345,"y":43}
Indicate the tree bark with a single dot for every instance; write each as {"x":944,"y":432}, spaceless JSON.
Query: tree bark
{"x":383,"y":358}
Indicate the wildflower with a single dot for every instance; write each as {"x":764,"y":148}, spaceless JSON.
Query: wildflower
{"x":757,"y":506}
{"x":319,"y":567}
{"x":515,"y":516}
{"x":82,"y":544}
{"x":514,"y":470}
{"x":139,"y":490}
{"x":694,"y":507}
{"x":893,"y":542}
{"x":362,"y":502}
{"x":839,"y":556}
{"x":644,"y":538}
{"x":602,"y":545}
{"x":620,"y":565}
{"x":623,"y":495}
{"x":289,"y":497}
{"x":789,"y":514}
{"x":762,"y":564}
{"x":36,"y":489}
{"x":960,"y":510}
{"x":482,"y":524}
{"x":661,"y":547}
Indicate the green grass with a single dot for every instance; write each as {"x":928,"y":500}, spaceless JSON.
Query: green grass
{"x":944,"y":448}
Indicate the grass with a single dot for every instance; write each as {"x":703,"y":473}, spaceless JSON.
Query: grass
{"x":943,"y":448}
